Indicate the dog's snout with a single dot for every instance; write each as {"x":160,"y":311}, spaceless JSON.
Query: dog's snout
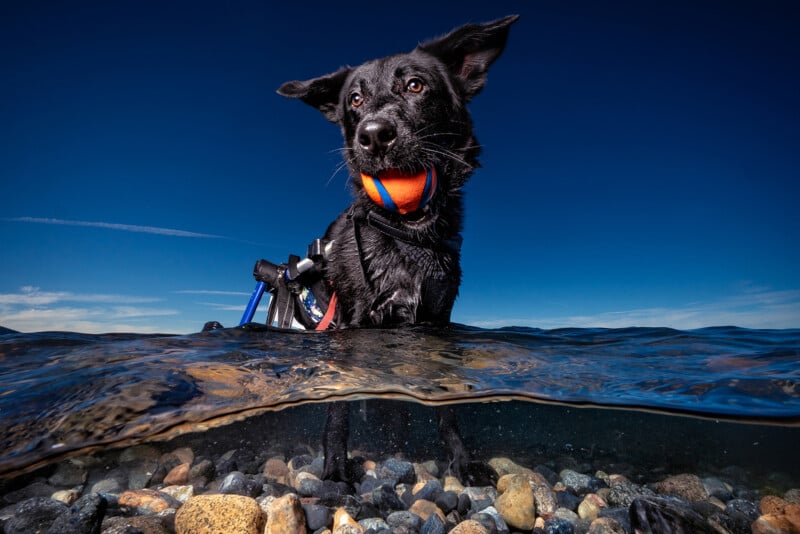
{"x":376,"y":135}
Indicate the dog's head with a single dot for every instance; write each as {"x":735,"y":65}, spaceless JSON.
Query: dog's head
{"x":405,"y":115}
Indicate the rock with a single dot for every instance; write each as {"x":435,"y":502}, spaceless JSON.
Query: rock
{"x":505,"y":466}
{"x":178,"y":475}
{"x":83,"y":517}
{"x":202,"y":472}
{"x":399,"y":470}
{"x":580,"y":483}
{"x":516,"y":504}
{"x":469,"y":526}
{"x":66,"y":496}
{"x":285,"y":516}
{"x":429,"y":491}
{"x":556,"y":525}
{"x":36,"y":514}
{"x":275,"y":469}
{"x":499,"y":522}
{"x":179,"y":493}
{"x":36,"y":489}
{"x":343,"y":523}
{"x":404,"y":519}
{"x":447,"y":501}
{"x":568,"y":500}
{"x":793,"y":496}
{"x":236,"y":483}
{"x":386,"y":500}
{"x":486,"y":520}
{"x":433,"y":525}
{"x":146,"y":501}
{"x":222,"y":514}
{"x":112,"y":486}
{"x":374,"y":523}
{"x":480,"y":497}
{"x":717,"y":488}
{"x":141,"y":524}
{"x":605,"y":525}
{"x":185,"y":455}
{"x":451,"y":483}
{"x":623,"y":492}
{"x":748,"y":510}
{"x":424,"y":509}
{"x":317,"y":516}
{"x":545,"y":499}
{"x":778,"y":515}
{"x":590,"y":507}
{"x":685,"y":486}
{"x":69,"y":473}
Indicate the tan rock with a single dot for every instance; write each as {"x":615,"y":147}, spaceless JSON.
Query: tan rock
{"x":516,"y":504}
{"x":178,"y":475}
{"x":343,"y":523}
{"x":451,"y":483}
{"x":590,"y":507}
{"x":774,"y":524}
{"x":219,"y":514}
{"x":470,"y":526}
{"x":686,"y":486}
{"x":180,"y":493}
{"x":605,"y":525}
{"x":277,"y":470}
{"x":185,"y":455}
{"x":67,"y":496}
{"x":146,"y":501}
{"x":286,"y":516}
{"x":424,"y":509}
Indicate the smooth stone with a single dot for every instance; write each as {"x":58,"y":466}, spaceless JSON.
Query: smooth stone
{"x":775,"y":524}
{"x":429,"y":491}
{"x":623,"y":492}
{"x":424,"y":509}
{"x":740,"y":507}
{"x":579,"y":482}
{"x":69,"y":473}
{"x":433,"y":525}
{"x":317,"y":516}
{"x":717,"y":488}
{"x":568,"y":500}
{"x":179,"y":493}
{"x":112,"y":486}
{"x":178,"y":475}
{"x":451,"y":483}
{"x":386,"y":500}
{"x":185,"y":455}
{"x":605,"y":525}
{"x":470,"y":526}
{"x":590,"y":507}
{"x":480,"y":497}
{"x":141,"y":524}
{"x":447,"y":501}
{"x":343,"y":523}
{"x":146,"y":501}
{"x":556,"y":525}
{"x":83,"y":517}
{"x":516,"y":504}
{"x":223,"y":514}
{"x":487,"y":521}
{"x":792,"y":496}
{"x":203,"y":471}
{"x":374,"y":523}
{"x":685,"y":486}
{"x":66,"y":496}
{"x":285,"y":516}
{"x":545,"y":499}
{"x":499,"y":522}
{"x":237,"y":483}
{"x":506,"y":466}
{"x":275,"y":469}
{"x":400,"y":470}
{"x":308,"y":485}
{"x":405,"y":519}
{"x":36,"y":489}
{"x":36,"y":514}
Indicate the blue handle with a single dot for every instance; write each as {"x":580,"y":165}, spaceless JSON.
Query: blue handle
{"x":255,"y":298}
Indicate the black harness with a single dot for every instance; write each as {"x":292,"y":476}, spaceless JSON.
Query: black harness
{"x":299,"y":291}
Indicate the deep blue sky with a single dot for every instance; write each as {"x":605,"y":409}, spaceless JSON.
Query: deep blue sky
{"x":640,"y":161}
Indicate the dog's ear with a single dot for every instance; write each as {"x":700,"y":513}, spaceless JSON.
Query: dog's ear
{"x":322,"y":92}
{"x":468,"y":51}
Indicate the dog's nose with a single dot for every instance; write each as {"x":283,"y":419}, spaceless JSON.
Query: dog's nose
{"x":376,"y":135}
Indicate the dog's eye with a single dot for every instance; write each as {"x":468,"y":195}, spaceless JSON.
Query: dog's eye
{"x":415,"y":85}
{"x":356,"y":99}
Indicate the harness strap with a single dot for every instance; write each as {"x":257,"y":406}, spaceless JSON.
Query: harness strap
{"x":326,"y":320}
{"x":385,"y":226}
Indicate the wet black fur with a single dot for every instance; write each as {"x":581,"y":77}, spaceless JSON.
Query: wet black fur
{"x":381,"y":280}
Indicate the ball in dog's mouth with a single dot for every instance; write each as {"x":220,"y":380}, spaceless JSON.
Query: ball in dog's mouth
{"x":399,"y":191}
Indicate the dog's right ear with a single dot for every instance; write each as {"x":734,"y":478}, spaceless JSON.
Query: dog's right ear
{"x":322,"y":92}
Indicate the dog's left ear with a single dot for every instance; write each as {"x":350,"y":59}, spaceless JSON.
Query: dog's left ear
{"x":468,"y":51}
{"x":322,"y":92}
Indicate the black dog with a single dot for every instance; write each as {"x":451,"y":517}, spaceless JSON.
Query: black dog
{"x":409,"y":146}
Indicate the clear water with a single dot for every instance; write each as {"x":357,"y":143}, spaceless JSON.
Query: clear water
{"x":721,"y":396}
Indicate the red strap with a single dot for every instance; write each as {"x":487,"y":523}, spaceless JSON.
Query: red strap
{"x":329,"y":313}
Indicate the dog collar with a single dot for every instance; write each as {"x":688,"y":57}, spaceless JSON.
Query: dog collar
{"x":400,"y":192}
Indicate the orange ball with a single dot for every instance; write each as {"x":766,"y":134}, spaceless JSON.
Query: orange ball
{"x":401,"y":192}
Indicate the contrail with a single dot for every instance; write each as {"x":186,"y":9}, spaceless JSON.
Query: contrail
{"x":115,"y":226}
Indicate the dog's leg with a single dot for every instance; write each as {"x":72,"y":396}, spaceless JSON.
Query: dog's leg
{"x":470,"y":473}
{"x":334,"y":443}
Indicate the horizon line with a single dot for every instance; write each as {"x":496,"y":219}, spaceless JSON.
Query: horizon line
{"x":117,"y":226}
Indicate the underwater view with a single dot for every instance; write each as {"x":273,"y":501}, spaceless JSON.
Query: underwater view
{"x":570,"y":431}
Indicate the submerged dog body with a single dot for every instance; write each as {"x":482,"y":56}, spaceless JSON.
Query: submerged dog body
{"x":395,"y":254}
